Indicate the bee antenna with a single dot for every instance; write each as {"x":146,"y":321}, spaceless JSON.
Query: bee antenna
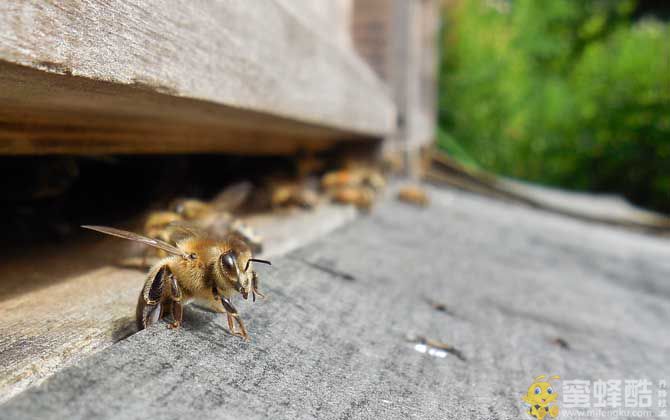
{"x":258,"y":261}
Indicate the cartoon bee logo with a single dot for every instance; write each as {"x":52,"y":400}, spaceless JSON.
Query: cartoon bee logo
{"x":540,"y":397}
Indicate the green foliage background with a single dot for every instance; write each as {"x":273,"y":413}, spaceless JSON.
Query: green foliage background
{"x":562,"y":92}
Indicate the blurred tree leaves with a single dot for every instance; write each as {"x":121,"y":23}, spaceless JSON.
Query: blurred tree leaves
{"x":563,"y":92}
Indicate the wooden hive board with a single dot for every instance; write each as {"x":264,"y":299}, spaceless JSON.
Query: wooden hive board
{"x":143,"y":76}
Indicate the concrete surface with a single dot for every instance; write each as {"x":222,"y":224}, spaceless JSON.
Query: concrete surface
{"x":334,"y":338}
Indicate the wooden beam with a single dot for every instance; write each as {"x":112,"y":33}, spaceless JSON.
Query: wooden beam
{"x":131,"y":76}
{"x":399,"y":39}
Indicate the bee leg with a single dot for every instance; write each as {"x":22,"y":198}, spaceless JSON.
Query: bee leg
{"x":215,"y":301}
{"x":177,"y":307}
{"x":232,"y":314}
{"x":254,"y":287}
{"x":148,"y":314}
{"x":177,"y":314}
{"x":149,"y":308}
{"x":231,"y":325}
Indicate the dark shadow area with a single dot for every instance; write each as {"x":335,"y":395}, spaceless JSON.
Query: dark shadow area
{"x":124,"y":328}
{"x":46,"y":199}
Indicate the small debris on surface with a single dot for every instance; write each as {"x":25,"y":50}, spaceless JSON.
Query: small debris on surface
{"x":439,"y":306}
{"x":415,"y":195}
{"x":558,"y":341}
{"x":434,"y":347}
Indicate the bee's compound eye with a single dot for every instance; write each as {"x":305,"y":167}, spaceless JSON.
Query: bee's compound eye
{"x":550,"y":391}
{"x":538,"y":391}
{"x":228,"y":261}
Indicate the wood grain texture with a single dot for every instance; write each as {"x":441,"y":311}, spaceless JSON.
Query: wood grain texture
{"x":399,"y":39}
{"x":216,"y":70}
{"x":44,"y":113}
{"x":77,"y":300}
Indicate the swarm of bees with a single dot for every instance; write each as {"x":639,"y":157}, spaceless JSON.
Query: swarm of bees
{"x":200,"y":267}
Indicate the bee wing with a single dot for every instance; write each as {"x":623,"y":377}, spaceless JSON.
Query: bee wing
{"x":232,"y":197}
{"x":156,"y":243}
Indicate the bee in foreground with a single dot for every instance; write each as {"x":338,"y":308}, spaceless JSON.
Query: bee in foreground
{"x":198,"y":267}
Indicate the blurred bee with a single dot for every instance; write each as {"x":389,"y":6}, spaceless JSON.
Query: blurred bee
{"x":351,"y":177}
{"x":198,"y":267}
{"x":289,"y":193}
{"x":156,"y":223}
{"x":214,"y":216}
{"x":280,"y":192}
{"x":356,"y":185}
{"x":414,"y":195}
{"x":220,"y":206}
{"x":361,"y":197}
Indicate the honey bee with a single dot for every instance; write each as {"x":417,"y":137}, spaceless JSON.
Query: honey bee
{"x":292,"y":193}
{"x":221,"y":205}
{"x":214,"y":216}
{"x":197,"y":267}
{"x":351,"y":177}
{"x":156,"y":226}
{"x":284,"y":192}
{"x":357,"y":185}
{"x":361,"y":197}
{"x":414,"y":195}
{"x":156,"y":223}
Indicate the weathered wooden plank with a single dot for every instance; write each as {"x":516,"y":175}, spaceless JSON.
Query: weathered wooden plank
{"x":42,"y":113}
{"x":154,"y":71}
{"x":77,"y":301}
{"x":399,"y":39}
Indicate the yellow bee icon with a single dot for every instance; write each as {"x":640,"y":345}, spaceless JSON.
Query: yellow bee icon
{"x":540,"y":396}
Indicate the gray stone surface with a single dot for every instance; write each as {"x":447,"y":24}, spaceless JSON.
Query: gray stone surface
{"x":332,"y":342}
